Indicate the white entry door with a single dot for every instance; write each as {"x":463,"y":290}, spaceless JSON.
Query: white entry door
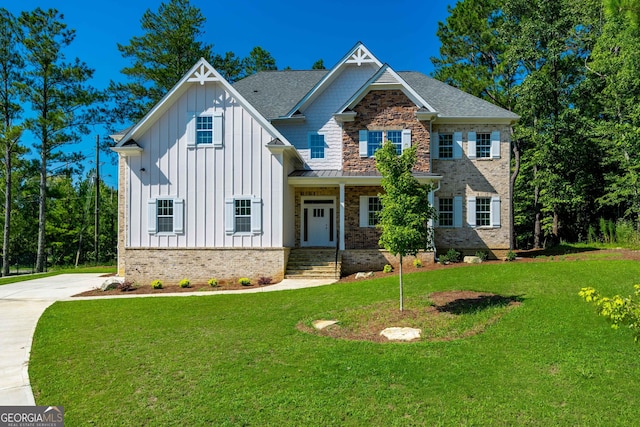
{"x":318,"y":223}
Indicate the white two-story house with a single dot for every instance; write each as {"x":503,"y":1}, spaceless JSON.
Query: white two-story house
{"x":229,"y":181}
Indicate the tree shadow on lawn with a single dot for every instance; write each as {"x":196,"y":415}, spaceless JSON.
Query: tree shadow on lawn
{"x":466,"y":302}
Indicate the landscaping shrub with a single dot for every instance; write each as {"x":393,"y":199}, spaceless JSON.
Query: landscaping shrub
{"x":213,"y":282}
{"x":387,"y":268}
{"x":244,"y":281}
{"x":156,"y":284}
{"x":451,"y":256}
{"x":126,"y":286}
{"x":483,"y":255}
{"x":185,"y":283}
{"x":417,"y":263}
{"x":262,"y":281}
{"x":511,"y":256}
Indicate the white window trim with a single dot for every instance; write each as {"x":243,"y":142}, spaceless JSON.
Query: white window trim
{"x":217,"y":137}
{"x":363,"y":140}
{"x":230,"y":216}
{"x":494,"y":149}
{"x":457,"y":211}
{"x":364,"y":211}
{"x":178,"y":216}
{"x":324,"y":150}
{"x":494,"y":212}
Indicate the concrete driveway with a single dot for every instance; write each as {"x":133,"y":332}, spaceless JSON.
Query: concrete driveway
{"x":21,"y":305}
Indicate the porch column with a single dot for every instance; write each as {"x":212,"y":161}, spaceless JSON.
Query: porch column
{"x":341,"y":216}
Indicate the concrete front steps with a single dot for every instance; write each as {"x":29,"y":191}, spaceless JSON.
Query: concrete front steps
{"x":310,"y":263}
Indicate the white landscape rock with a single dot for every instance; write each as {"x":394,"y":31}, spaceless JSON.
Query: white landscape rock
{"x":321,"y":324}
{"x":472,"y":260}
{"x":363,"y":275}
{"x":401,"y":334}
{"x":111,"y":283}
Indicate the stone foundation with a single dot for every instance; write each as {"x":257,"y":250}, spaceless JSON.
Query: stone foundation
{"x":355,"y":260}
{"x":170,"y":265}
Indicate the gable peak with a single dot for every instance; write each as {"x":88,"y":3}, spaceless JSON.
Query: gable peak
{"x":202,"y":72}
{"x":361,"y":55}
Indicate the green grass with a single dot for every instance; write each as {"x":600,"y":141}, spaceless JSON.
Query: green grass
{"x":70,"y":270}
{"x":240,"y":360}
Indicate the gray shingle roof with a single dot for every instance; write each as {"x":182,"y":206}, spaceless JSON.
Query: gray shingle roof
{"x":275,"y":93}
{"x":449,"y":101}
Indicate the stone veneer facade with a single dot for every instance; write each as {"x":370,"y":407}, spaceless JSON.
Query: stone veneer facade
{"x":384,"y":110}
{"x":480,"y":178}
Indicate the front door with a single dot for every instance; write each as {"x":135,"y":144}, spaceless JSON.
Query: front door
{"x":318,"y":223}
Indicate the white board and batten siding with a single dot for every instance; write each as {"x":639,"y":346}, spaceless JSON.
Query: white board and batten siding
{"x":204,"y":176}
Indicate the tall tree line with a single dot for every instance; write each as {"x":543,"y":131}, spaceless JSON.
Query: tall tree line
{"x":569,"y":69}
{"x":47,"y":102}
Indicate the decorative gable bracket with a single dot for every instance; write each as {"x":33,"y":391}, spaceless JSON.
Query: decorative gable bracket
{"x":361,"y":56}
{"x":203,"y":74}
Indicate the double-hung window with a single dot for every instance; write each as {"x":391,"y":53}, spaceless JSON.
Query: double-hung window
{"x":445,"y":212}
{"x":445,"y":146}
{"x":165,"y":215}
{"x":204,"y":130}
{"x":243,"y":215}
{"x":372,"y":140}
{"x":483,"y":145}
{"x":370,"y":208}
{"x":483,"y":211}
{"x":316,"y":146}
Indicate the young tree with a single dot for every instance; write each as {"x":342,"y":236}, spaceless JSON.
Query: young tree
{"x":11,"y":67}
{"x":168,"y":48}
{"x":58,"y":95}
{"x":406,"y":212}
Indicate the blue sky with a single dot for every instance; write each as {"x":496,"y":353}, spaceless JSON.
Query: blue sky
{"x":401,"y":33}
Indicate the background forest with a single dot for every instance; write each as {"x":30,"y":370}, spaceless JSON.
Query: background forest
{"x":569,"y":68}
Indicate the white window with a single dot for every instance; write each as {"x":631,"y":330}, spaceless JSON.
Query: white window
{"x":372,"y":140}
{"x":243,"y":215}
{"x":483,"y":211}
{"x":204,"y":129}
{"x":165,"y":215}
{"x":449,"y":211}
{"x":316,"y":146}
{"x":370,"y":207}
{"x":446,"y":146}
{"x":483,"y":145}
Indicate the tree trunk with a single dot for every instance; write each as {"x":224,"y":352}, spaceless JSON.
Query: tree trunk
{"x":401,"y":295}
{"x":537,"y":227}
{"x":512,"y":186}
{"x":42,"y":200}
{"x":7,"y":212}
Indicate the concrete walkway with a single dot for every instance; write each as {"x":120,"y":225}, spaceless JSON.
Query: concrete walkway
{"x":22,"y":304}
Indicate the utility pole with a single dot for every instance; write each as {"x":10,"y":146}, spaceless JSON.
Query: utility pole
{"x":97,"y":217}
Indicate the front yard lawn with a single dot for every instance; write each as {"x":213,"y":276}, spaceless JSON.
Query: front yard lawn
{"x":243,"y":359}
